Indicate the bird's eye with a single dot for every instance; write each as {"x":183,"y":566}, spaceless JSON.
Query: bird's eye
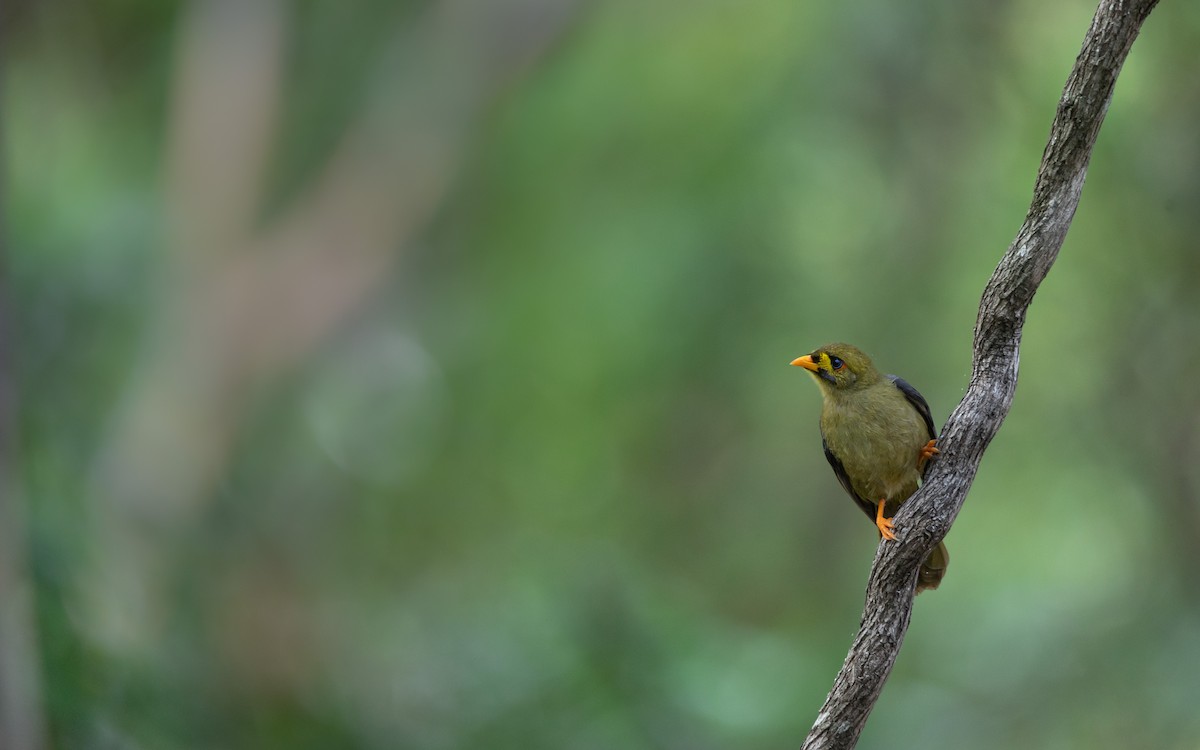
{"x":836,"y":363}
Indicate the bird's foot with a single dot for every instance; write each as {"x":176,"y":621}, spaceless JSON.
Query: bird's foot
{"x":929,"y":451}
{"x":884,"y":524}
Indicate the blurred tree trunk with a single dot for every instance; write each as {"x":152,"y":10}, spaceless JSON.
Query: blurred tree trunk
{"x":21,"y":721}
{"x":247,"y":301}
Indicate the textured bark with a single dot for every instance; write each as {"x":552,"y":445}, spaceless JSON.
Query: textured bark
{"x":924,"y":520}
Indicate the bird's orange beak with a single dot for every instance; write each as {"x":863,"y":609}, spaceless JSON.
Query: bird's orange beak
{"x":806,"y":362}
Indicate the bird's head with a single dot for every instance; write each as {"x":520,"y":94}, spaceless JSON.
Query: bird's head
{"x":839,"y":367}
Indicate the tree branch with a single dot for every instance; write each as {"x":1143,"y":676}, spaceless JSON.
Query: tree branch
{"x":926,"y":517}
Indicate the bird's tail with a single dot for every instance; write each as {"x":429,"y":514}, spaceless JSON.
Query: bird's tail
{"x":933,"y":569}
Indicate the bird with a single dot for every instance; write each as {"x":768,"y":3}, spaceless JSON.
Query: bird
{"x":878,"y":435}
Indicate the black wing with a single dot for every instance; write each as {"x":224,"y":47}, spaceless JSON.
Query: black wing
{"x":919,"y":403}
{"x":844,"y":480}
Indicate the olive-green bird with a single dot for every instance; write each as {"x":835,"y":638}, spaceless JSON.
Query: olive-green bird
{"x":878,"y":435}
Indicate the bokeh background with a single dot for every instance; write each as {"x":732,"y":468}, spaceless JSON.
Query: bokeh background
{"x":412,"y":374}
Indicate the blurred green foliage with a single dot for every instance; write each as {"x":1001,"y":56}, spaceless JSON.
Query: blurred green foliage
{"x":550,"y":483}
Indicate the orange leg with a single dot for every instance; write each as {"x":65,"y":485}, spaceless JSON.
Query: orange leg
{"x":929,"y":451}
{"x":884,"y":524}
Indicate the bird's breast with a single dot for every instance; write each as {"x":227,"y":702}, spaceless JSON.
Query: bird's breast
{"x":877,"y":443}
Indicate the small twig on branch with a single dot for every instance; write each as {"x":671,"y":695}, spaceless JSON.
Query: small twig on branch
{"x":924,"y":520}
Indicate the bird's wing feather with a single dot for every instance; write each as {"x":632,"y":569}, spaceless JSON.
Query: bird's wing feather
{"x":844,"y":480}
{"x":919,"y":403}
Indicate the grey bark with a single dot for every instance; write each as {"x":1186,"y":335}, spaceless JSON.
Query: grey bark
{"x":924,"y":520}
